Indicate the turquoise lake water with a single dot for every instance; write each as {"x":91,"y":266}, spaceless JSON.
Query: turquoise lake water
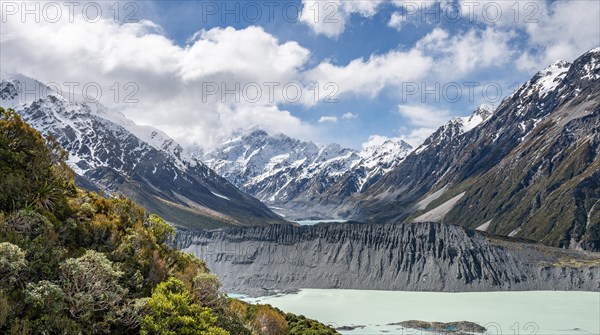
{"x":314,"y":222}
{"x":509,"y":313}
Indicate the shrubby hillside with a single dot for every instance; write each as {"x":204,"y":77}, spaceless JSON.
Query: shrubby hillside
{"x":73,"y":262}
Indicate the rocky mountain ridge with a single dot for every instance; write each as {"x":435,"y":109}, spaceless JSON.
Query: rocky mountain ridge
{"x":530,"y":170}
{"x":287,"y":173}
{"x":421,"y":256}
{"x":113,"y":155}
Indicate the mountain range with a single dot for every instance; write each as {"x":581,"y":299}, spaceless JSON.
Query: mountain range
{"x":113,"y":155}
{"x":291,"y":175}
{"x":531,"y":170}
{"x":302,"y":180}
{"x":528,"y":168}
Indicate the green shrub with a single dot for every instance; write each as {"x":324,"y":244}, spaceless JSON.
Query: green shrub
{"x":172,"y":311}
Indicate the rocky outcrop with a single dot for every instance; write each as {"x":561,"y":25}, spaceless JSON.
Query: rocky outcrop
{"x":420,"y":256}
{"x":457,"y":327}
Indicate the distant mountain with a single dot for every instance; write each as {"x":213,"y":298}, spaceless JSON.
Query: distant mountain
{"x":451,"y":129}
{"x":532,"y":169}
{"x":292,"y":175}
{"x":114,"y":155}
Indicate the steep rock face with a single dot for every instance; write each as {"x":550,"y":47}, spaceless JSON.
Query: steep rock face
{"x":421,"y":256}
{"x":528,"y":171}
{"x":112,"y":154}
{"x":292,"y":175}
{"x":396,"y":194}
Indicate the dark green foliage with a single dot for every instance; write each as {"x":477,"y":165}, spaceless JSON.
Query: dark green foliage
{"x":73,"y":262}
{"x":300,"y":325}
{"x":34,"y":174}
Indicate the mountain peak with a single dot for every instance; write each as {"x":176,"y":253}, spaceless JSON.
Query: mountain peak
{"x":284,"y":171}
{"x":548,"y":79}
{"x":389,"y":145}
{"x":467,"y":123}
{"x":484,"y":111}
{"x":256,"y":132}
{"x":594,"y":51}
{"x":559,"y":64}
{"x":588,"y":65}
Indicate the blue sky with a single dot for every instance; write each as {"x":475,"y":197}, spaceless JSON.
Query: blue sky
{"x":374,"y":54}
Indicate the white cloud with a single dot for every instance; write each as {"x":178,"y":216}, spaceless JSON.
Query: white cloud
{"x":349,"y":116}
{"x":328,"y":119}
{"x":557,"y":30}
{"x":417,"y":11}
{"x":169,"y":78}
{"x":223,"y":50}
{"x":330,"y":17}
{"x":396,"y":21}
{"x":371,"y":76}
{"x":458,"y":55}
{"x":424,"y":116}
{"x":565,"y":30}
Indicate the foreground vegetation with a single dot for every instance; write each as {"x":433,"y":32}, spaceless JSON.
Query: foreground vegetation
{"x":73,"y":262}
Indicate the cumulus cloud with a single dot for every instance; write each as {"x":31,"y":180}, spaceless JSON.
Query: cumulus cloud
{"x":424,"y":116}
{"x":396,"y":21}
{"x":169,"y":80}
{"x":554,"y":30}
{"x":564,"y":30}
{"x":369,"y":77}
{"x":223,"y":50}
{"x":328,"y":119}
{"x":418,"y":11}
{"x":476,"y":49}
{"x":330,"y":17}
{"x":349,"y":116}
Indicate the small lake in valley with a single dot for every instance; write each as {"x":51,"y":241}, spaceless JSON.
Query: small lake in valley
{"x":314,"y":222}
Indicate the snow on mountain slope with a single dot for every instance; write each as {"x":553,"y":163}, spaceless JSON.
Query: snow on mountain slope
{"x":458,"y":126}
{"x":287,"y":172}
{"x":77,"y":107}
{"x":531,"y":169}
{"x":112,"y":154}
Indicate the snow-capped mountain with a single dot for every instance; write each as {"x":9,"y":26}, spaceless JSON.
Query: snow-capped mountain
{"x":531,"y":169}
{"x":376,"y":161}
{"x":112,"y":154}
{"x":457,"y":126}
{"x":286,"y":173}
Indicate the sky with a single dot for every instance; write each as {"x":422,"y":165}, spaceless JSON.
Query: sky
{"x":348,"y":72}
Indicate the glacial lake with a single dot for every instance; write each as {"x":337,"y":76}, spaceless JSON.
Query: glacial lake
{"x":314,"y":222}
{"x":509,"y":313}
